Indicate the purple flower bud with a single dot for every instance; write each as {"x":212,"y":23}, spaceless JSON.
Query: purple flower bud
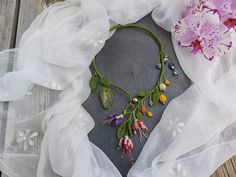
{"x":114,"y":119}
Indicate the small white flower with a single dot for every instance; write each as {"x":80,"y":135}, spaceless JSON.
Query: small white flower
{"x":26,"y":138}
{"x":175,"y":126}
{"x":178,"y":171}
{"x":95,"y":40}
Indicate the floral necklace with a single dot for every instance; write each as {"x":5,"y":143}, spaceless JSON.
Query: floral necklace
{"x":130,"y":120}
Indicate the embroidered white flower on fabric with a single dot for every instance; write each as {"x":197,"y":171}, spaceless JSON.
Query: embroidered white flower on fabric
{"x":96,"y":40}
{"x":175,"y":126}
{"x":178,"y":171}
{"x":26,"y":138}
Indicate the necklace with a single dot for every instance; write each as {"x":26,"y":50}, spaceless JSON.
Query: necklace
{"x":130,"y":121}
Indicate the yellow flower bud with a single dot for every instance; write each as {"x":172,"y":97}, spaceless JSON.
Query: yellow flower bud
{"x":162,"y":98}
{"x":149,"y":114}
{"x":167,"y":82}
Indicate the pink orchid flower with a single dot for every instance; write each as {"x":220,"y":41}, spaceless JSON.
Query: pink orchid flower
{"x":193,"y":7}
{"x":203,"y":32}
{"x":226,"y":10}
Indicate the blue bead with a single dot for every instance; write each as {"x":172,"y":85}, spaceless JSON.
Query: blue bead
{"x":171,"y":66}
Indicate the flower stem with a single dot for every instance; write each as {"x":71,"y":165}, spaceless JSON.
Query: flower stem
{"x":112,"y":84}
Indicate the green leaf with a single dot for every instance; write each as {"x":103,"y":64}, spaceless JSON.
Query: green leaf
{"x":105,"y":82}
{"x":106,"y":96}
{"x":129,"y":127}
{"x":155,"y":97}
{"x":139,"y":114}
{"x":142,"y":94}
{"x":121,"y":132}
{"x":93,"y":83}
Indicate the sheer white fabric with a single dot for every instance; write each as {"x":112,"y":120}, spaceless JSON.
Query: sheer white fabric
{"x":197,"y":131}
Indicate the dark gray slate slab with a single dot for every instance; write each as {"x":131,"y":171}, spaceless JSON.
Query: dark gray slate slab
{"x":128,"y":59}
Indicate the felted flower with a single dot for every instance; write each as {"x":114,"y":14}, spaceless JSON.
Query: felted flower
{"x":126,"y":145}
{"x":139,"y":127}
{"x":26,"y":138}
{"x":143,"y":109}
{"x":114,"y":119}
{"x":162,"y":98}
{"x":150,"y":114}
{"x":162,"y":87}
{"x":203,"y":32}
{"x":167,"y":82}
